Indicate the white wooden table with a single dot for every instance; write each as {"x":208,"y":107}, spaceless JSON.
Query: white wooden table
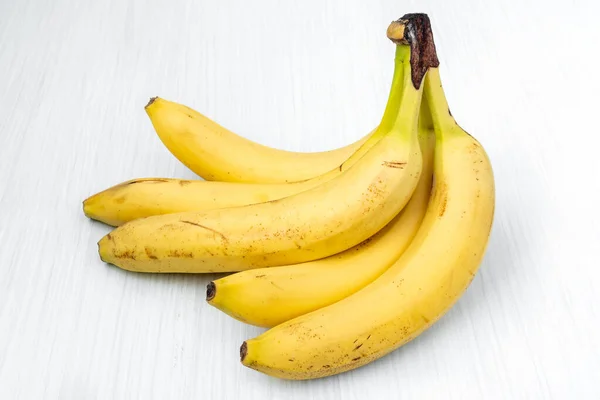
{"x":74,"y":76}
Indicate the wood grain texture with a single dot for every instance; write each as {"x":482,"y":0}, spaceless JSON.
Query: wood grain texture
{"x":313,"y":75}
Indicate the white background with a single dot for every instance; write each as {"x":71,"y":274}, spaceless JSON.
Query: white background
{"x":521,"y":76}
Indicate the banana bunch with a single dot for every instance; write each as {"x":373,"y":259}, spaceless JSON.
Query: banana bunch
{"x":345,"y":255}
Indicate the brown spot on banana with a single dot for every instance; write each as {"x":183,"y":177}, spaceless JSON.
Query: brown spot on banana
{"x":129,"y":254}
{"x":443,"y":205}
{"x":394,"y":164}
{"x":180,"y":254}
{"x":377,"y":191}
{"x":147,"y":180}
{"x":442,"y":192}
{"x":207,"y":228}
{"x":150,"y":253}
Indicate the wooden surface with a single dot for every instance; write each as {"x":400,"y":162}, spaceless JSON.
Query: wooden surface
{"x":74,"y":77}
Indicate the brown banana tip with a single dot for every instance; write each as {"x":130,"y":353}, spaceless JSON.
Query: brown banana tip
{"x":415,"y":30}
{"x":243,"y":351}
{"x":211,"y":291}
{"x":152,"y":99}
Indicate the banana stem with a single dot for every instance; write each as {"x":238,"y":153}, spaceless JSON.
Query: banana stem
{"x":415,"y":31}
{"x":408,"y":114}
{"x":395,"y":96}
{"x":436,"y":100}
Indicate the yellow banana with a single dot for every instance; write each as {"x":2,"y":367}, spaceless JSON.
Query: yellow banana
{"x":140,"y":198}
{"x":182,"y":128}
{"x":269,"y":296}
{"x":419,"y":288}
{"x":314,"y":224}
{"x":217,"y":154}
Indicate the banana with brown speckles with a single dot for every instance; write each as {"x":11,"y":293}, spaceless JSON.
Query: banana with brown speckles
{"x":317,"y":223}
{"x":270,"y":296}
{"x":140,"y":198}
{"x":416,"y":291}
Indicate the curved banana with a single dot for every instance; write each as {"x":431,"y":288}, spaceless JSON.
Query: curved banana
{"x":417,"y":290}
{"x":140,"y":198}
{"x":316,"y":223}
{"x":269,"y":296}
{"x":217,"y":154}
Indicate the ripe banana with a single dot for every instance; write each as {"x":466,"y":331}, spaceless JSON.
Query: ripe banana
{"x":140,"y":198}
{"x":217,"y":154}
{"x":314,"y":224}
{"x":419,"y":288}
{"x":270,"y":296}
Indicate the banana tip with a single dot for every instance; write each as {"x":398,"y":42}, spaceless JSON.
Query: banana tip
{"x":211,"y":291}
{"x":86,"y":207}
{"x":152,"y":100}
{"x":102,"y":247}
{"x":243,"y":351}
